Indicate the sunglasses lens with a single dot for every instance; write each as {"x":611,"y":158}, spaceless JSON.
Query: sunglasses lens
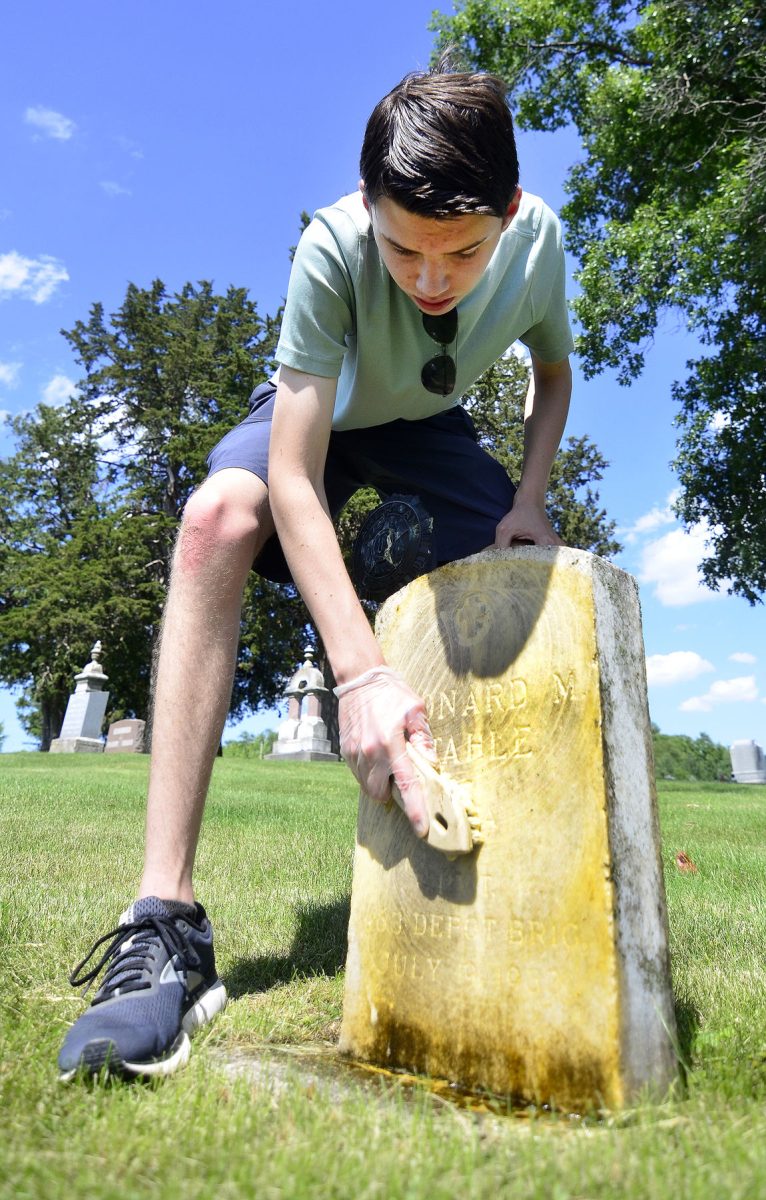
{"x":438,"y":375}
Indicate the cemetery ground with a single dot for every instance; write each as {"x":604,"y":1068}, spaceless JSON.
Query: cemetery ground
{"x":274,"y":870}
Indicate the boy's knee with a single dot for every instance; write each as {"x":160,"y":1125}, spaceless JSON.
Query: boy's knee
{"x":215,"y":521}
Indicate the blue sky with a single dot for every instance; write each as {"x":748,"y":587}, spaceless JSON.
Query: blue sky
{"x":182,"y":141}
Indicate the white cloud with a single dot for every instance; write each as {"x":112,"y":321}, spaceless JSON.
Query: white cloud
{"x":9,"y":373}
{"x":114,"y":189}
{"x":677,"y":667}
{"x":130,"y":147}
{"x":742,"y":690}
{"x":33,"y":278}
{"x":58,"y":390}
{"x":655,"y":519}
{"x":671,"y":564}
{"x":742,"y":656}
{"x":52,"y":124}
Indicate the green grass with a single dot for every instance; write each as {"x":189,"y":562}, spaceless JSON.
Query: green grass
{"x":274,"y":869}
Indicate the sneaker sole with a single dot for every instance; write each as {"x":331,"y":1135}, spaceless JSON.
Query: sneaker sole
{"x":103,"y":1055}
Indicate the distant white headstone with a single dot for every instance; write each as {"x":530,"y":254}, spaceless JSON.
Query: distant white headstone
{"x":747,"y":762}
{"x":81,"y":730}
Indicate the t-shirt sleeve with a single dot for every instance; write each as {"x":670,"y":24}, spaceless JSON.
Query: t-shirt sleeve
{"x":319,"y":310}
{"x":550,"y":337}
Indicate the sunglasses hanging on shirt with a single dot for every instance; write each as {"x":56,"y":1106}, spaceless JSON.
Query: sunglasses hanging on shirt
{"x":439,"y":373}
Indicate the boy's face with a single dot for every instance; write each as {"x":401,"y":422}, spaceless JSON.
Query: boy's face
{"x":435,"y":260}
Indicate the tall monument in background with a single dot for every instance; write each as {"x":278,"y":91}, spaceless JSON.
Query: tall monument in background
{"x":81,"y":730}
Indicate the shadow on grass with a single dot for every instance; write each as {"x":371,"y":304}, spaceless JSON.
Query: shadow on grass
{"x":687,"y":1024}
{"x":319,"y":948}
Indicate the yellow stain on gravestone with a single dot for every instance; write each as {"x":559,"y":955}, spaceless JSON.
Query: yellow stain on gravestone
{"x":505,"y":970}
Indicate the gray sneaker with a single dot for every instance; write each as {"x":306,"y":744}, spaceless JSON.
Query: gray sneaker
{"x":160,"y":986}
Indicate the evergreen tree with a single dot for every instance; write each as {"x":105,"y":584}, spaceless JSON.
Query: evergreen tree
{"x":75,"y":567}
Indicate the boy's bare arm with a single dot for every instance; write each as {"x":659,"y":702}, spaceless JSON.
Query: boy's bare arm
{"x":377,"y":715}
{"x":545,"y":414}
{"x":298,"y":449}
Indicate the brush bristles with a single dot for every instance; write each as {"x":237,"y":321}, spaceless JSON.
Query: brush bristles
{"x":474,"y":822}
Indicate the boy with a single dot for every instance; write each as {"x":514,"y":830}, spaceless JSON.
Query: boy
{"x":400,"y":296}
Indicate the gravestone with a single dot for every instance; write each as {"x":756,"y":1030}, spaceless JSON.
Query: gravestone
{"x":302,"y":736}
{"x":84,"y":716}
{"x":537,"y":965}
{"x":125,"y":737}
{"x":747,"y":762}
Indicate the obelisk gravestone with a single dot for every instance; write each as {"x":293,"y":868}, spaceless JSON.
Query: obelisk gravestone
{"x":81,"y":730}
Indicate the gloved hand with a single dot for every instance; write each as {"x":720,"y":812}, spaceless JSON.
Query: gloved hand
{"x":377,"y":713}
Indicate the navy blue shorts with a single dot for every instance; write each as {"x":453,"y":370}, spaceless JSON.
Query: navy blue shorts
{"x":465,"y":490}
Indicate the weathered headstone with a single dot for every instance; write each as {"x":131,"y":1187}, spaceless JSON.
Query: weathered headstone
{"x":537,"y":966}
{"x":302,"y":736}
{"x":84,"y":716}
{"x":748,"y":764}
{"x":125,"y":737}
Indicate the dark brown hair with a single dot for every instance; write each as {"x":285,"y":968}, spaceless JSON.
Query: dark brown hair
{"x":442,"y":144}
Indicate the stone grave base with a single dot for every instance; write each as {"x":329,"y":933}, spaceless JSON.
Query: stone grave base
{"x":303,"y":756}
{"x":76,"y":745}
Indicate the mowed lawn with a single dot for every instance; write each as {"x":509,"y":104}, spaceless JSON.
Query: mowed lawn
{"x":274,"y":870}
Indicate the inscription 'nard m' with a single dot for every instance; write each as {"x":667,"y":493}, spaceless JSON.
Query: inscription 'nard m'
{"x":489,"y":700}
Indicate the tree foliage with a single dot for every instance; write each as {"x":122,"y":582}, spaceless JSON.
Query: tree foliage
{"x":250,"y":745}
{"x":666,"y":215}
{"x":75,"y":566}
{"x":92,"y":497}
{"x":679,"y":757}
{"x":165,"y":375}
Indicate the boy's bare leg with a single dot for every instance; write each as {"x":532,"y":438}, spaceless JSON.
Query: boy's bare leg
{"x":225,"y":525}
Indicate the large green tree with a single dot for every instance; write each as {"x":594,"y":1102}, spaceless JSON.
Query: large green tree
{"x":75,"y":566}
{"x":90,"y":502}
{"x":679,"y":757}
{"x":165,"y":375}
{"x":666,"y":215}
{"x":168,"y":375}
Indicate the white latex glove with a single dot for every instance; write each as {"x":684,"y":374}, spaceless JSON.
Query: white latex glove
{"x":378,"y":712}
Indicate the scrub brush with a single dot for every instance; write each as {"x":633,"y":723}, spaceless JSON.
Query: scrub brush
{"x":454,"y":826}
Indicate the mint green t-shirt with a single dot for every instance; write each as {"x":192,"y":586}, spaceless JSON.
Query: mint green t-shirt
{"x":345,"y":317}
